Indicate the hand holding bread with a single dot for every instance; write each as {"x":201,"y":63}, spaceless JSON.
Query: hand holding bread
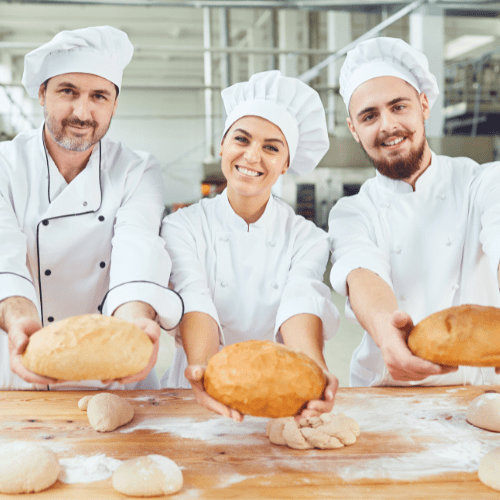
{"x":89,"y":347}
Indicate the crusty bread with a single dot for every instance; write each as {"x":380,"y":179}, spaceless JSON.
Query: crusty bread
{"x":263,"y":378}
{"x":88,"y":347}
{"x":461,"y":335}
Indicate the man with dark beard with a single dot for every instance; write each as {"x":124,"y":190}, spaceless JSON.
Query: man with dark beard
{"x":79,"y":213}
{"x":421,"y":236}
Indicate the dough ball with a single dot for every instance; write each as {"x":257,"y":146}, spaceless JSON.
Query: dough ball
{"x":107,"y":411}
{"x":324,"y":432}
{"x":263,"y":378}
{"x":489,"y":469}
{"x":484,"y":411}
{"x":88,"y":347}
{"x":83,"y":403}
{"x":461,"y":335}
{"x":27,"y":467}
{"x":148,"y":476}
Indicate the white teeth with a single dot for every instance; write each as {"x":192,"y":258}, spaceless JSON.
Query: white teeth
{"x":393,"y":143}
{"x":245,"y":171}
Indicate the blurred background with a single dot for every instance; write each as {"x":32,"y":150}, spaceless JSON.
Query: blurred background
{"x":187,"y":51}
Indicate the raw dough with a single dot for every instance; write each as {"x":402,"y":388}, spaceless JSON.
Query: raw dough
{"x":484,"y":411}
{"x":88,"y":347}
{"x":107,"y":411}
{"x":83,"y":403}
{"x":27,"y":467}
{"x":324,"y":432}
{"x":489,"y":469}
{"x":460,"y":335}
{"x":263,"y":378}
{"x":148,"y":476}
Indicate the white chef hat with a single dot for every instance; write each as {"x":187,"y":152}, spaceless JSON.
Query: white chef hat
{"x":288,"y":103}
{"x":102,"y":50}
{"x":385,"y":56}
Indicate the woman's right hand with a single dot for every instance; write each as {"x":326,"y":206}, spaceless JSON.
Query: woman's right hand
{"x":195,"y":375}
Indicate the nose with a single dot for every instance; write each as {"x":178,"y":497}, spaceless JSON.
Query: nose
{"x":252,"y":153}
{"x":82,"y":108}
{"x":388,"y":121}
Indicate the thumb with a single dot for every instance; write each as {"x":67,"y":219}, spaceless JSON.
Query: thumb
{"x":402,"y":321}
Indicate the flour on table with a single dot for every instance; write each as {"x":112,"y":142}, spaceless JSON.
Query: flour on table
{"x":215,"y":430}
{"x":82,"y":469}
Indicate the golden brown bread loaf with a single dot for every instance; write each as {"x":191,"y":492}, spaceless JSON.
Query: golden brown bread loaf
{"x":263,"y":378}
{"x":461,"y":335}
{"x":88,"y":347}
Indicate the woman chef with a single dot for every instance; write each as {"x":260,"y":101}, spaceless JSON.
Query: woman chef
{"x":245,"y":265}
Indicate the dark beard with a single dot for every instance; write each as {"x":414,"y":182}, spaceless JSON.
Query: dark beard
{"x":400,"y":167}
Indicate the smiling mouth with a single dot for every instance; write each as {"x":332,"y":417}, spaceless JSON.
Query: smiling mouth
{"x":246,"y":171}
{"x":395,"y":142}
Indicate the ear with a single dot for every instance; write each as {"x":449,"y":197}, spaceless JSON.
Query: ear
{"x":352,"y":129}
{"x":41,"y":95}
{"x":424,"y":103}
{"x":115,"y":105}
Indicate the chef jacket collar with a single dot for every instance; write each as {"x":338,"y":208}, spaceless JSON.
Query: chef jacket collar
{"x":402,"y":187}
{"x":88,"y":185}
{"x":234,"y":221}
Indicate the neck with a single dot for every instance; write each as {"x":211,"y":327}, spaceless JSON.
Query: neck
{"x":424,"y":165}
{"x":249,"y":208}
{"x":69,"y":163}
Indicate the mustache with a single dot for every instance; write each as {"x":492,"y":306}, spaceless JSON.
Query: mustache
{"x":79,"y":123}
{"x":397,"y":133}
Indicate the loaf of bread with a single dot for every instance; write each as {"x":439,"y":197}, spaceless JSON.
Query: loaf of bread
{"x":263,"y":378}
{"x":88,"y":347}
{"x":461,"y":335}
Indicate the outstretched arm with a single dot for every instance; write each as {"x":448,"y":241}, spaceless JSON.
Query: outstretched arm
{"x":304,"y":332}
{"x":376,"y":308}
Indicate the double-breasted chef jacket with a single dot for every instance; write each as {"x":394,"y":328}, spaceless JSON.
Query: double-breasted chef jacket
{"x":436,"y":247}
{"x":84,"y":247}
{"x":249,"y":278}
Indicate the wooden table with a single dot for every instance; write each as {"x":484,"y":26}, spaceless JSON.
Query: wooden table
{"x":414,"y":444}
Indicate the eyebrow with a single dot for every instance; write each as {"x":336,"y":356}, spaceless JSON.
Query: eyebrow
{"x":391,"y":103}
{"x":70,"y":85}
{"x":250,"y":136}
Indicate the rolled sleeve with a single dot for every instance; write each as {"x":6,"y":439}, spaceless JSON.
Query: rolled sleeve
{"x":140,"y":265}
{"x":188,"y":273}
{"x":305,"y":292}
{"x":353,"y":246}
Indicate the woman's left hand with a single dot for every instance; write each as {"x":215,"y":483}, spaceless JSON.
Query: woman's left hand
{"x":316,"y":407}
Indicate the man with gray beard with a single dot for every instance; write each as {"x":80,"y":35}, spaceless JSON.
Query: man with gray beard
{"x":421,"y":236}
{"x":79,"y":214}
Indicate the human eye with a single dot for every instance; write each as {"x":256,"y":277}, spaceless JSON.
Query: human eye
{"x":100,"y":97}
{"x":272,"y":148}
{"x":241,"y":138}
{"x":67,"y":91}
{"x":368,"y":117}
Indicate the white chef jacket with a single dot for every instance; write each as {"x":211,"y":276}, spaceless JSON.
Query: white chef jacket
{"x":436,"y":247}
{"x":82,"y":247}
{"x":249,"y":278}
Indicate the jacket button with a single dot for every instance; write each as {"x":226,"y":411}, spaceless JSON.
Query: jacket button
{"x":224,"y":239}
{"x":103,"y":264}
{"x":45,"y":222}
{"x":50,"y":318}
{"x":275,"y":285}
{"x":48,"y":272}
{"x":85,"y":203}
{"x":101,"y":217}
{"x":272,"y":243}
{"x":223,"y":284}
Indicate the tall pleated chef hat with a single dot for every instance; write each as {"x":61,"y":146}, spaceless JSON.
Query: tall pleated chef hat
{"x":102,"y":50}
{"x":385,"y":56}
{"x":288,"y":103}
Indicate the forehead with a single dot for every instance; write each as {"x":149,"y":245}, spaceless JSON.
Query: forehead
{"x":256,"y":125}
{"x":83,"y":81}
{"x":378,"y":92}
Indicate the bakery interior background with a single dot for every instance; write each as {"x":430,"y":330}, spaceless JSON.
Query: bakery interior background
{"x":187,"y":51}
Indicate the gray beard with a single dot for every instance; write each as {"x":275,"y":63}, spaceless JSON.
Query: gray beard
{"x":73,"y":143}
